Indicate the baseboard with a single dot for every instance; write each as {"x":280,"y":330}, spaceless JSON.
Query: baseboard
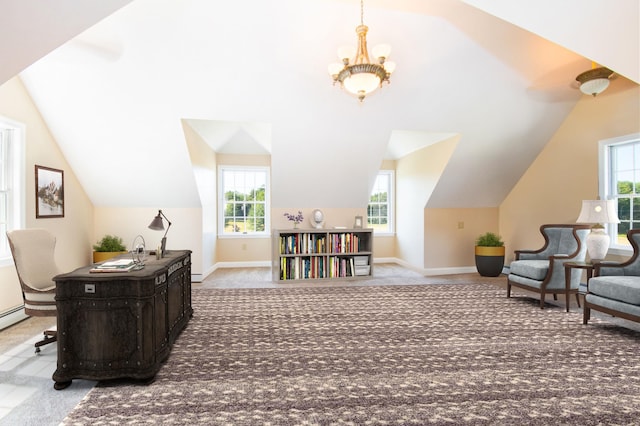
{"x":422,"y":271}
{"x":220,"y":265}
{"x":12,"y":317}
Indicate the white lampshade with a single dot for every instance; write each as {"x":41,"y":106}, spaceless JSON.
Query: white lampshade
{"x":346,"y":52}
{"x":381,"y":51}
{"x":598,"y":212}
{"x":334,"y":69}
{"x":389,"y":66}
{"x":361,"y":83}
{"x":594,"y":87}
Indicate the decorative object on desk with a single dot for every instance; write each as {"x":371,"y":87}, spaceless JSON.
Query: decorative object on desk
{"x":489,"y":253}
{"x":357,"y":223}
{"x":296,"y":219}
{"x":109,"y":246}
{"x":317,"y":219}
{"x":118,"y":265}
{"x":158,"y":225}
{"x":357,"y":74}
{"x":598,"y":212}
{"x":138,"y":250}
{"x":49,"y":192}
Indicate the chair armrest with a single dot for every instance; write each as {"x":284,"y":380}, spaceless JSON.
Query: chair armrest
{"x":608,"y":267}
{"x":528,"y":255}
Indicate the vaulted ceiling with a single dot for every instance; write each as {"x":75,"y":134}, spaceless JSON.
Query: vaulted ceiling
{"x":114,"y":81}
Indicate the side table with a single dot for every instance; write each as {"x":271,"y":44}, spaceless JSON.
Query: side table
{"x":568,"y":266}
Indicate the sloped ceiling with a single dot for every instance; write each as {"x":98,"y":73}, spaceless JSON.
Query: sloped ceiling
{"x":251,"y":77}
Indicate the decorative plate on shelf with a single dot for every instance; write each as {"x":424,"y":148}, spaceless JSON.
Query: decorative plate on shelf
{"x":317,"y":219}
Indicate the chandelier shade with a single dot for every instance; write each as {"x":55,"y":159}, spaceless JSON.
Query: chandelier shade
{"x":357,"y":74}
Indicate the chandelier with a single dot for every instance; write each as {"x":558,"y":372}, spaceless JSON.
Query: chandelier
{"x":359,"y":75}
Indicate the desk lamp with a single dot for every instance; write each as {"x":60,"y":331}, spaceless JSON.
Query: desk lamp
{"x":157,"y":225}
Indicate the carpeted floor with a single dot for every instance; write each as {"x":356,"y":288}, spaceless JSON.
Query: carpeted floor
{"x":429,"y":354}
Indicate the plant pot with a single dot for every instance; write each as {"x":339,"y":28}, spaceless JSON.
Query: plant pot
{"x":489,"y":260}
{"x":101,"y":256}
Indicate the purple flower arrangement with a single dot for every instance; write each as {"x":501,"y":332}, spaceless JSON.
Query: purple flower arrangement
{"x":295,"y":218}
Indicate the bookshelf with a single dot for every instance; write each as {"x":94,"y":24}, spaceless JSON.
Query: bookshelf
{"x":321,"y":254}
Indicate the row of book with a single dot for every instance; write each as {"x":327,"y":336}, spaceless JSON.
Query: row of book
{"x":299,"y":268}
{"x":303,"y":243}
{"x":345,"y":243}
{"x":309,"y":243}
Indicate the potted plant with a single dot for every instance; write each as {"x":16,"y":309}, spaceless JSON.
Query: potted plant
{"x":489,"y":254}
{"x":109,"y":246}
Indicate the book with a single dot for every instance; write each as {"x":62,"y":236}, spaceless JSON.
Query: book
{"x":120,"y":265}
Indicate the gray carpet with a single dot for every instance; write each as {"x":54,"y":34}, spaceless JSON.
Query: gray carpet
{"x":430,"y":354}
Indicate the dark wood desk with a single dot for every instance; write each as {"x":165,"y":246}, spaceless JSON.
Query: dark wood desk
{"x":121,"y":325}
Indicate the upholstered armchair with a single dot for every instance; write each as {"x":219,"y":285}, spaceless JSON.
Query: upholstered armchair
{"x":542,"y":271}
{"x":33,"y":255}
{"x":615,"y":287}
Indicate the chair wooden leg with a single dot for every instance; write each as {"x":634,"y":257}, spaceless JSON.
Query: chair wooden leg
{"x":508,"y":289}
{"x":578,"y":299}
{"x":586,"y":314}
{"x":542,"y":295}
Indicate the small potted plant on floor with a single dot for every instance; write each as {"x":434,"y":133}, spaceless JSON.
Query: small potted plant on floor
{"x":109,"y":246}
{"x":489,"y":254}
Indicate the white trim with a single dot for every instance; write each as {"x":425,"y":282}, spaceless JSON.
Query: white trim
{"x":12,"y":317}
{"x":427,"y":271}
{"x":16,"y":217}
{"x":605,"y":189}
{"x":221,"y":203}
{"x":222,"y":265}
{"x":422,"y":271}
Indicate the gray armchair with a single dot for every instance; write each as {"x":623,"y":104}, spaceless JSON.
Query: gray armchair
{"x":33,"y":255}
{"x":542,"y":271}
{"x":615,"y":287}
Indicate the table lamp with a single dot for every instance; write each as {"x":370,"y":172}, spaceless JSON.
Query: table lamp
{"x":598,"y":212}
{"x":158,"y":225}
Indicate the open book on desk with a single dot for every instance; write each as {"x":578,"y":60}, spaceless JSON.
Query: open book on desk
{"x":120,"y":265}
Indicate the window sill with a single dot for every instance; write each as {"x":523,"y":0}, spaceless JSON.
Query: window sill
{"x":242,"y":236}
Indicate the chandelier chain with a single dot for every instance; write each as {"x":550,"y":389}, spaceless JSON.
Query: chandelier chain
{"x":361,"y":12}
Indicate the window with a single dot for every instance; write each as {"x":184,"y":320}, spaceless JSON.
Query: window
{"x":11,"y":183}
{"x":381,"y":207}
{"x":620,"y":181}
{"x":244,"y":207}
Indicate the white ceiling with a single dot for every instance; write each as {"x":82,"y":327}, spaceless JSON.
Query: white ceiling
{"x":250,"y":77}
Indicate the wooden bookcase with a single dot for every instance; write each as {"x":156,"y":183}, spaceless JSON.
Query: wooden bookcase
{"x":321,"y":254}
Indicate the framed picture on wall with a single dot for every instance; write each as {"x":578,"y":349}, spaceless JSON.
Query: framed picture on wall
{"x":49,"y":192}
{"x":357,"y":224}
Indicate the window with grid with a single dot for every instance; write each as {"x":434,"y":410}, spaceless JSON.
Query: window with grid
{"x":244,"y":206}
{"x":11,"y":183}
{"x":620,"y":174}
{"x":380,"y":209}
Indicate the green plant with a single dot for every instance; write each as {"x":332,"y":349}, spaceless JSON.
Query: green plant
{"x":110,"y":243}
{"x":489,"y":239}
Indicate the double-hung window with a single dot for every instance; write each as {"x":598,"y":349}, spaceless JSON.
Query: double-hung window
{"x":620,"y":181}
{"x":244,"y":204}
{"x":11,"y":183}
{"x":381,"y":208}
